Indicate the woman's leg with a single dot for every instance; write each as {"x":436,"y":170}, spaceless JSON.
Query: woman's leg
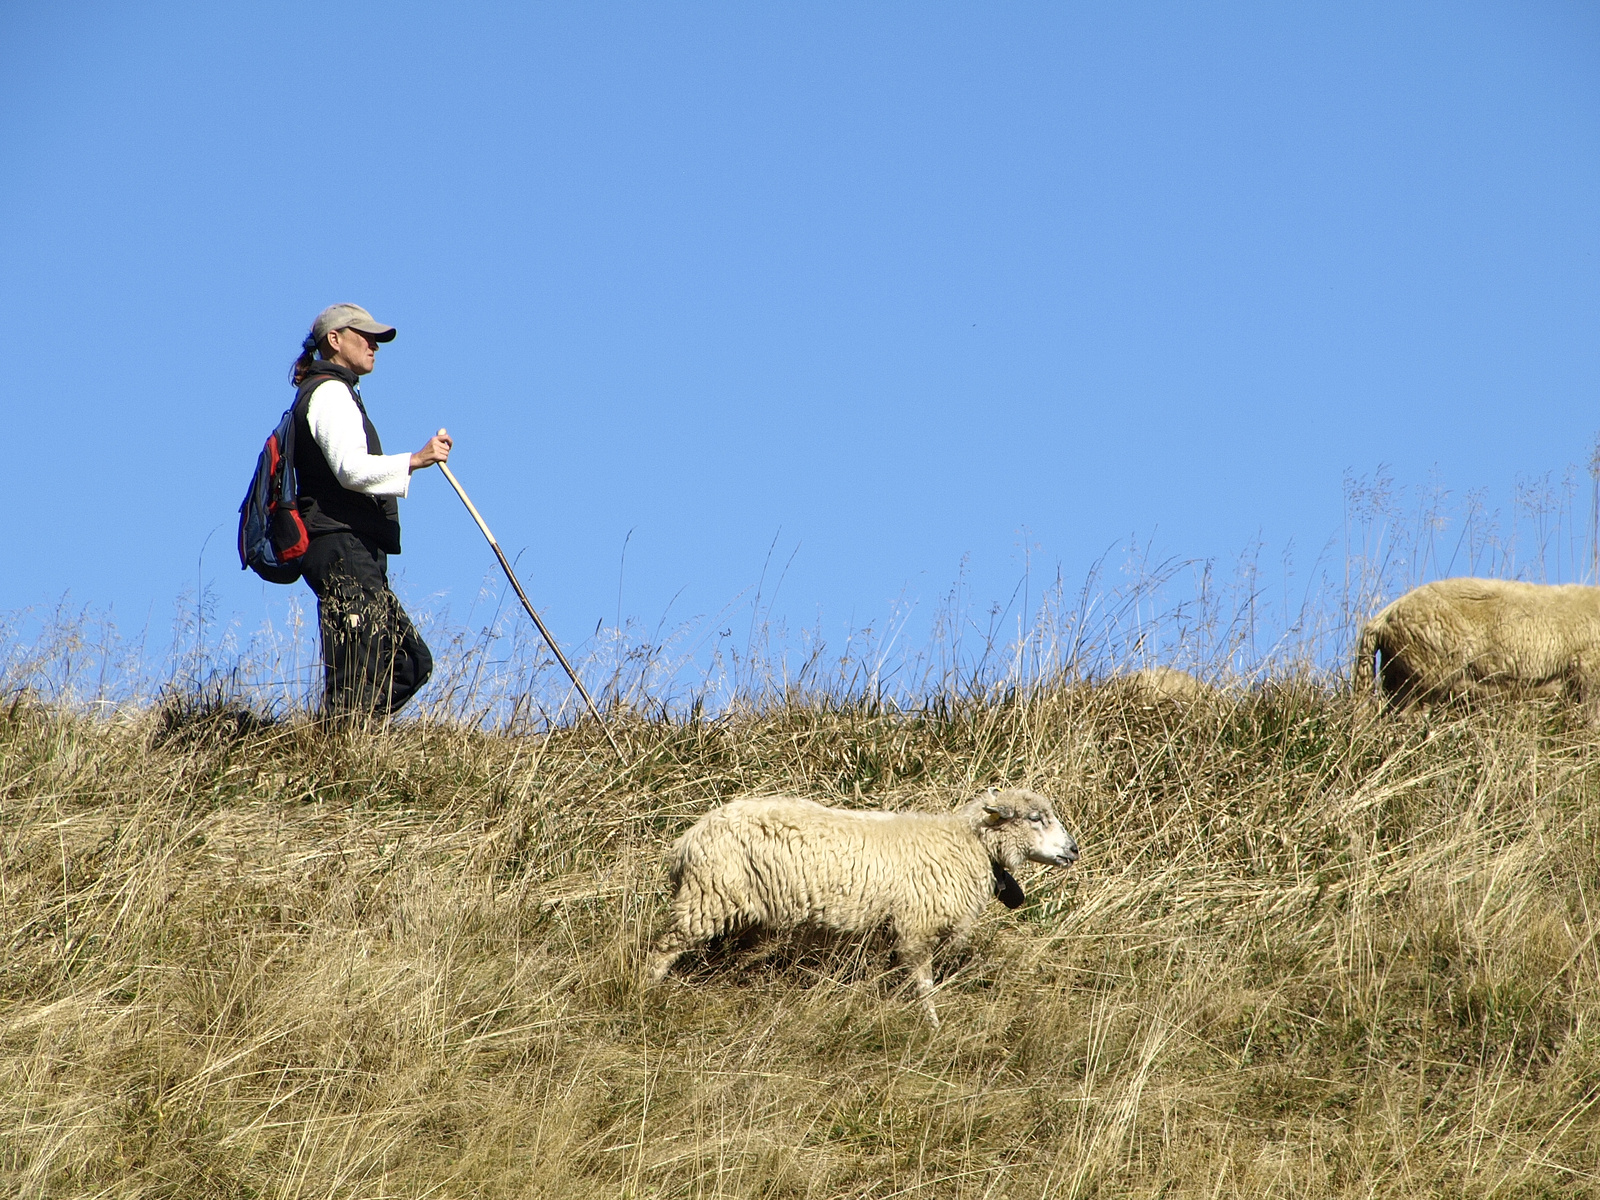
{"x":373,"y":658}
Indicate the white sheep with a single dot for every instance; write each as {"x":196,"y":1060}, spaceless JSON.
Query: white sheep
{"x":1471,"y":638}
{"x":774,"y":862}
{"x":1157,"y":686}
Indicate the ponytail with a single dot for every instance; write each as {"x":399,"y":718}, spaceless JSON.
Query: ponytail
{"x":302,"y":365}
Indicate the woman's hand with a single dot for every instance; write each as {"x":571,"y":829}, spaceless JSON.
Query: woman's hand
{"x":436,"y":451}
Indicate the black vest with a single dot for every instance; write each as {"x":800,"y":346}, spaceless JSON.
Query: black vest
{"x":327,"y":506}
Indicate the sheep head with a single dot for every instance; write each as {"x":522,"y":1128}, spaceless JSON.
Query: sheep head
{"x":1018,"y":826}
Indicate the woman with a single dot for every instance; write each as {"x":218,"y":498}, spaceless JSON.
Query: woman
{"x":373,"y":658}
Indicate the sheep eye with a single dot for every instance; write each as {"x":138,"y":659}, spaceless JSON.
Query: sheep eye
{"x":1036,"y":817}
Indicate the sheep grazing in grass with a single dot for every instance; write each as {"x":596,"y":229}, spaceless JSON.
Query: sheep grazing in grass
{"x":776,"y":862}
{"x":1163,"y":685}
{"x":1472,"y":638}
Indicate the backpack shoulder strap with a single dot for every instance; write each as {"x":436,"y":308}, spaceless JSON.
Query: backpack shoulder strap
{"x":309,"y":384}
{"x":312,"y":382}
{"x":297,"y":410}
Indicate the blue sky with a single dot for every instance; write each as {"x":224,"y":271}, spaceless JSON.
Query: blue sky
{"x":890,"y":287}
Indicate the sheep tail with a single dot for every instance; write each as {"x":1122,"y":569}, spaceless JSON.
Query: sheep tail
{"x":1363,"y":674}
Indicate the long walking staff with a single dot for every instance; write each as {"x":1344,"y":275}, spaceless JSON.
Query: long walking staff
{"x":523,"y":596}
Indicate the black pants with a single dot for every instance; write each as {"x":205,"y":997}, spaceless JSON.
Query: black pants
{"x":373,"y":659}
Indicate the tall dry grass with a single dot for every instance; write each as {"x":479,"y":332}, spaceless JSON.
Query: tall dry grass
{"x":1303,"y":955}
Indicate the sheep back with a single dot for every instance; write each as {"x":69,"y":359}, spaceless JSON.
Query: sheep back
{"x":1163,"y":685}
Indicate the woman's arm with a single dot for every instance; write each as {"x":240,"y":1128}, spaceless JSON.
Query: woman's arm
{"x":336,"y":427}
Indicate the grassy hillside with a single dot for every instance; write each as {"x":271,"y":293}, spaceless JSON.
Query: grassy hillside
{"x":1301,"y":956}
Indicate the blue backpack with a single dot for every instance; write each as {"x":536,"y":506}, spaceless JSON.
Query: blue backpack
{"x":272,"y":537}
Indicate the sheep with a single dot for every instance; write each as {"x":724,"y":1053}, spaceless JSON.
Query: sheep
{"x":776,"y":862}
{"x":1473,"y":638}
{"x":1155,"y":686}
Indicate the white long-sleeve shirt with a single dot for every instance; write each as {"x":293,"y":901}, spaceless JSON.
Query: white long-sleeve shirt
{"x":336,"y":427}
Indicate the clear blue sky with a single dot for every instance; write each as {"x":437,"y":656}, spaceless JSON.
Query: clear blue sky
{"x":895,"y":284}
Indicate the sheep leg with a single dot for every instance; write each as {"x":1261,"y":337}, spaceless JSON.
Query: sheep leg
{"x":694,"y":923}
{"x":1582,"y":693}
{"x":671,"y":947}
{"x":917,"y":955}
{"x":960,"y":935}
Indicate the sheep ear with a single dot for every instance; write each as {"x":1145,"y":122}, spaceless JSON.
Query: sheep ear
{"x":998,"y":813}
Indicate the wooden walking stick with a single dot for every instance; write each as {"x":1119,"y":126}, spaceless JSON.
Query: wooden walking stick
{"x":523,"y":596}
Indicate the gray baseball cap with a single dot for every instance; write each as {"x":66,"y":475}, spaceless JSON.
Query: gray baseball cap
{"x":349,"y":316}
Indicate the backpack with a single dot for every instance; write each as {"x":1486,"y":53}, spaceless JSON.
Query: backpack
{"x":272,"y":537}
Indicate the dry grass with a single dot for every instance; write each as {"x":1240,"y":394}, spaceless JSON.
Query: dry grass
{"x":1302,"y":956}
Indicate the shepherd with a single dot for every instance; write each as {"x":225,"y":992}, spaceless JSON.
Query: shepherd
{"x":373,"y":658}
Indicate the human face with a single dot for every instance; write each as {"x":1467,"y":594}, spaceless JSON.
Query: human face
{"x":353,"y":349}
